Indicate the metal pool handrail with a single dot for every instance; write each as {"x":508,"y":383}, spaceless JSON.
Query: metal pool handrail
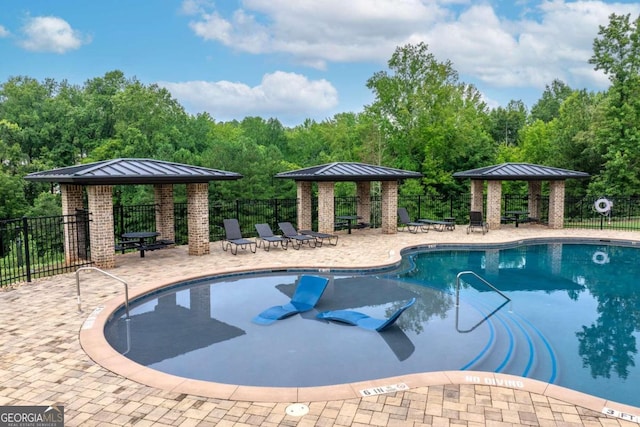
{"x":482,"y":280}
{"x":458,"y":299}
{"x":126,"y":286}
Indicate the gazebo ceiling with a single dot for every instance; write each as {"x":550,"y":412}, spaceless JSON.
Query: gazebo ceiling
{"x":348,"y":171}
{"x":132,"y":171}
{"x":520,"y":172}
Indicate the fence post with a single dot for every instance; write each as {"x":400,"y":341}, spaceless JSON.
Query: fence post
{"x":27,"y":257}
{"x":275,"y":210}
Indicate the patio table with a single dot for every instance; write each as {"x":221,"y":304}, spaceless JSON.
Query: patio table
{"x":517,"y":214}
{"x":349,"y":219}
{"x":142,"y":237}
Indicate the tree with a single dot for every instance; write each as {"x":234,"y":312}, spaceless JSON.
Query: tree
{"x":617,"y":54}
{"x":548,"y":107}
{"x":426,"y":117}
{"x":506,"y":123}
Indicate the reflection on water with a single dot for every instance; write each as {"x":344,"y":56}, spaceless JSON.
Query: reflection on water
{"x":574,"y":309}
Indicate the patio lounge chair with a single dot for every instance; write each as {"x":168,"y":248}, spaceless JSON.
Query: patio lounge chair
{"x":307,"y":294}
{"x":476,"y":221}
{"x":412,"y":226}
{"x":320,"y":237}
{"x":266,"y":237}
{"x":296,"y":239}
{"x":233,"y":237}
{"x":362,"y":320}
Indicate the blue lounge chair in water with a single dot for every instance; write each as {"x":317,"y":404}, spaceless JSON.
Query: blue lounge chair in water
{"x":362,"y":320}
{"x":306,"y":296}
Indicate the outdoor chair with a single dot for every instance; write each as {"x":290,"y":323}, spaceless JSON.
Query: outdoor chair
{"x":320,"y":237}
{"x":306,"y":296}
{"x":476,"y":221}
{"x":296,"y":239}
{"x":233,"y":237}
{"x":266,"y":238}
{"x":355,"y":318}
{"x":412,"y":226}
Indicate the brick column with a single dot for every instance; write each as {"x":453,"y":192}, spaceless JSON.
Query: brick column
{"x":74,"y":234}
{"x":477,"y":193}
{"x":556,"y":204}
{"x":326,"y":212}
{"x":363,"y":190}
{"x":494,"y":202}
{"x":389,"y":207}
{"x":535,"y":191}
{"x":101,"y":225}
{"x":198,"y":218}
{"x":304,"y":205}
{"x":165,"y":220}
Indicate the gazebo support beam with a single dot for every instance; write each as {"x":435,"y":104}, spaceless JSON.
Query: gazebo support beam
{"x":71,"y":203}
{"x":165,"y":217}
{"x":389,"y":207}
{"x":556,"y":204}
{"x":198,"y":218}
{"x":304,"y":205}
{"x":363,"y":192}
{"x":326,"y":211}
{"x":100,"y":199}
{"x":535,"y":193}
{"x":494,"y":202}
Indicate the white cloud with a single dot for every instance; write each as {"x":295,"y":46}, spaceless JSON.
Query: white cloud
{"x":549,"y":39}
{"x":51,"y":34}
{"x":4,"y":32}
{"x":278,"y":94}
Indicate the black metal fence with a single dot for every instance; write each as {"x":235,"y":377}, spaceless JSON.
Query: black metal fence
{"x":34,"y":247}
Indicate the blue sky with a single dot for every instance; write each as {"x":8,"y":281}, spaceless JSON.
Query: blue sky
{"x":298,"y":59}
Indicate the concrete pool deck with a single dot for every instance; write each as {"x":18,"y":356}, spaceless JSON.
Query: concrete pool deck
{"x":43,"y":362}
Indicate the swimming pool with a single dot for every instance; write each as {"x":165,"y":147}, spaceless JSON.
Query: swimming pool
{"x":572,"y":320}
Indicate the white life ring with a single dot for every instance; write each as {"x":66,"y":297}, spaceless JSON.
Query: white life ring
{"x":600,"y":257}
{"x":603,"y":205}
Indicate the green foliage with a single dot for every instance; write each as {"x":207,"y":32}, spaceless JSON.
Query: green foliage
{"x":506,"y":123}
{"x":428,"y":121}
{"x":617,"y":53}
{"x":46,"y":204}
{"x":422,"y":119}
{"x":548,"y":107}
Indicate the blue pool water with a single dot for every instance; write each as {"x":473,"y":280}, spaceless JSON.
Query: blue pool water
{"x":572,"y":318}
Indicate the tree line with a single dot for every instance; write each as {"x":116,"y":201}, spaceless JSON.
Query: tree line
{"x":423,"y":118}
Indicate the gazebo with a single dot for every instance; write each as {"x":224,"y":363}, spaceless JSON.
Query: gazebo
{"x":533,"y":174}
{"x":99,"y":179}
{"x":362,"y":174}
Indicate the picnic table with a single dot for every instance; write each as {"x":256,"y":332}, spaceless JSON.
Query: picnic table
{"x":517,"y":214}
{"x":349,"y":219}
{"x":142,"y":241}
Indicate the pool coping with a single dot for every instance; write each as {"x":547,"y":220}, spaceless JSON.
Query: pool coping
{"x":95,"y":345}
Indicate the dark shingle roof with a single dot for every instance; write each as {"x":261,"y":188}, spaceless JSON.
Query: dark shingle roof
{"x":520,"y":171}
{"x":348,"y":171}
{"x":132,"y":171}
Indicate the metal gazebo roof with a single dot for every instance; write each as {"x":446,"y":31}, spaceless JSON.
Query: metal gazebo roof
{"x":132,"y":171}
{"x":519,"y":172}
{"x":348,"y":171}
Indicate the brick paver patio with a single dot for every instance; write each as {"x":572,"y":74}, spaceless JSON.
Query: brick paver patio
{"x":42,"y":361}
